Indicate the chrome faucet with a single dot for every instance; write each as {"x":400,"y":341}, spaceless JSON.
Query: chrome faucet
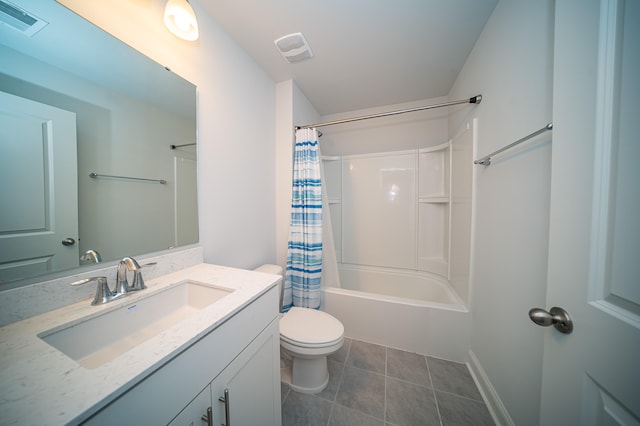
{"x":138,"y":282}
{"x":126,"y":264}
{"x":92,"y":255}
{"x":104,"y":293}
{"x":130,"y":264}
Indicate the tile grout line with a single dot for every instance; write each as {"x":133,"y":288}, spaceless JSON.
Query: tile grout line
{"x":335,"y":397}
{"x":457,"y":395}
{"x":435,"y":397}
{"x":384,"y":408}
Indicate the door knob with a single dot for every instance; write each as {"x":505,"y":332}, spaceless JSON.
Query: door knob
{"x":557,"y":317}
{"x":68,"y":241}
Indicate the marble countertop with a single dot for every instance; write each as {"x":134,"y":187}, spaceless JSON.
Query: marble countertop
{"x":41,"y":385}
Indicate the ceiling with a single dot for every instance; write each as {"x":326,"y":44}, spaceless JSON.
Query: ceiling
{"x":366,"y":53}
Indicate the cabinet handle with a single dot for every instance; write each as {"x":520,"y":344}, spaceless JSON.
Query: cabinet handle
{"x":225,"y":399}
{"x":208,"y":417}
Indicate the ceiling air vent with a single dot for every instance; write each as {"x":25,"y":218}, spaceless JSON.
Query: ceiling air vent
{"x":19,"y":19}
{"x":294,"y":47}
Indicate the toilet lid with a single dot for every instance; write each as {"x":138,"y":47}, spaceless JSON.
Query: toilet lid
{"x":310,"y":326}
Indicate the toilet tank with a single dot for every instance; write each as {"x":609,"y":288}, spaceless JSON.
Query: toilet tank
{"x":269,"y":269}
{"x":275,"y":270}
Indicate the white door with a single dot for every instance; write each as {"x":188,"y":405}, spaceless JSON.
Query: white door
{"x":592,"y":376}
{"x":38,"y":188}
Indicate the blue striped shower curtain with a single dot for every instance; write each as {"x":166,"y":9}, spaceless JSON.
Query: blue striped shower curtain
{"x":304,"y":258}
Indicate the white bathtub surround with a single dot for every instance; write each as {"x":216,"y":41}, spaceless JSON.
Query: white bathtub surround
{"x":395,"y":210}
{"x":23,"y":302}
{"x":424,"y":315}
{"x":40,"y":383}
{"x":330,"y":275}
{"x":391,"y":209}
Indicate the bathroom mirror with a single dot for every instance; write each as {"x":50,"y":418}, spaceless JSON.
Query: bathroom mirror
{"x":74,"y":103}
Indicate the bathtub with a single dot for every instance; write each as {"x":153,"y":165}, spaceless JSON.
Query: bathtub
{"x":409,"y":310}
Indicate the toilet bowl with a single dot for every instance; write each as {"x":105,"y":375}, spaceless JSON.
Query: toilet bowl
{"x":308,"y":336}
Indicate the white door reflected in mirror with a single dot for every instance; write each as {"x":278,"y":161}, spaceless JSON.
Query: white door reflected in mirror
{"x":38,"y":171}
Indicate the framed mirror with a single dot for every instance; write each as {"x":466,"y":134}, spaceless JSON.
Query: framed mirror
{"x":98,"y":146}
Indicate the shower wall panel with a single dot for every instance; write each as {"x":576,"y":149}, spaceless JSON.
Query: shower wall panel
{"x":335,"y":210}
{"x":379,"y":210}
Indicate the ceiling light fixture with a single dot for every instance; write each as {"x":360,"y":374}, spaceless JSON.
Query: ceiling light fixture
{"x":181,"y":20}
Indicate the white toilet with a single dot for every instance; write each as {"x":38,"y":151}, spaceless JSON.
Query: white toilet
{"x":308,"y":336}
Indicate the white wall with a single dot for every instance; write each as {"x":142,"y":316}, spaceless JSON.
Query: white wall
{"x":511,"y":66}
{"x":236,"y":126}
{"x":284,"y":175}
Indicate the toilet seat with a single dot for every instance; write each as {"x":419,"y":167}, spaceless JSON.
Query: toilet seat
{"x":310,"y":345}
{"x":310,"y":328}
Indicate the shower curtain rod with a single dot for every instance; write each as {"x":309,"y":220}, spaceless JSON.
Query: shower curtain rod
{"x":474,"y":100}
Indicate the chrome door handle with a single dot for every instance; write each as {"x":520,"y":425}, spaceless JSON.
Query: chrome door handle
{"x":68,"y":241}
{"x":557,"y":317}
{"x":225,"y":399}
{"x":208,"y":417}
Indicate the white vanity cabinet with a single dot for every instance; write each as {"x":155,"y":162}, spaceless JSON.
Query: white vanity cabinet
{"x":243,"y":393}
{"x":240,"y":356}
{"x":195,"y":413}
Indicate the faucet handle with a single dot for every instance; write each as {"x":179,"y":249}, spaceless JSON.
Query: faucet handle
{"x":138,"y":282}
{"x":103,"y":292}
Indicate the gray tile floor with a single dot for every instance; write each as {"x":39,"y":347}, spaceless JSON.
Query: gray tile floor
{"x":374,"y":385}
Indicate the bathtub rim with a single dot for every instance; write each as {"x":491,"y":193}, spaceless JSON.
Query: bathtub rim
{"x":456,"y":305}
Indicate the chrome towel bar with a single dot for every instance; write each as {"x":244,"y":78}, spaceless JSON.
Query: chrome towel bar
{"x":486,"y":160}
{"x":96,"y":175}
{"x":180,"y":146}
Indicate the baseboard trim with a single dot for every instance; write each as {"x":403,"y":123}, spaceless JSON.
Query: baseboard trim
{"x":494,"y":404}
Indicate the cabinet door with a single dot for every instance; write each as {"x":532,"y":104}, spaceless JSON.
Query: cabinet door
{"x":192,"y":413}
{"x":252,"y":384}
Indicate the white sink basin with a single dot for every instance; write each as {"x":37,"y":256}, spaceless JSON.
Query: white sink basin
{"x":96,"y":340}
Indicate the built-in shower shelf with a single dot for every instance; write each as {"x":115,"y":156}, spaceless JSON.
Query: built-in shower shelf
{"x":433,"y":199}
{"x":434,"y":185}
